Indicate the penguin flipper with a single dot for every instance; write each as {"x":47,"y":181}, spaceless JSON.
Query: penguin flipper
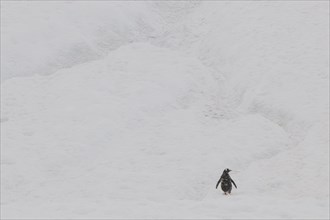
{"x":217,"y":184}
{"x":234,"y":183}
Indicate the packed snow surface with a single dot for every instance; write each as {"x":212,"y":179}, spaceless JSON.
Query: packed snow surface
{"x":134,"y":109}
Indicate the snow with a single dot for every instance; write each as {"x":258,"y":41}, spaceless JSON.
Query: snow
{"x":43,"y":37}
{"x":133,"y":109}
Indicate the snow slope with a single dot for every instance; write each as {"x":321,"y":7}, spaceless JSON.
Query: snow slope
{"x":142,"y":127}
{"x":274,"y":59}
{"x":43,"y":37}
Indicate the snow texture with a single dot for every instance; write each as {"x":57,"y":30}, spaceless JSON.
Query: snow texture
{"x":133,"y":109}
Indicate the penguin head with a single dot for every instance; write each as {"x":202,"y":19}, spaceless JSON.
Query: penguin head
{"x":227,"y":170}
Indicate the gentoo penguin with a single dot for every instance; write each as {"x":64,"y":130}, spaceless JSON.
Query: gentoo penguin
{"x":226,"y":181}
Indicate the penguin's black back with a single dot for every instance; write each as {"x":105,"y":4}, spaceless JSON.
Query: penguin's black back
{"x":226,"y":185}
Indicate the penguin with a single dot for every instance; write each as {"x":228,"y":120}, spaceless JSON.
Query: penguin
{"x":226,"y":181}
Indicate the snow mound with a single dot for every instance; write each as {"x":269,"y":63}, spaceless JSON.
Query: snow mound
{"x":43,"y":37}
